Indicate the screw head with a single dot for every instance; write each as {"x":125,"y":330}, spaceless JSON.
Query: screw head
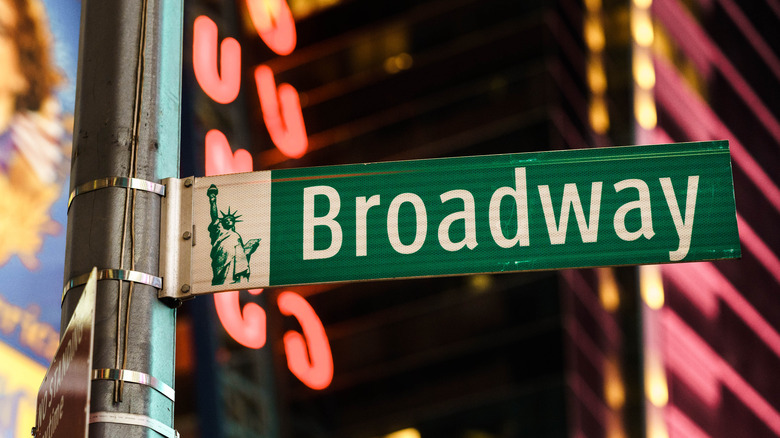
{"x":186,"y":235}
{"x":188,"y":182}
{"x":185,"y":288}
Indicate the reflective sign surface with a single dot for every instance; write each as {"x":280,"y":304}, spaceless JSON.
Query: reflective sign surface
{"x":500,"y":213}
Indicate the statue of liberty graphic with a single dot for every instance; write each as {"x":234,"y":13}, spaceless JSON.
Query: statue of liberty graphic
{"x":229,"y":254}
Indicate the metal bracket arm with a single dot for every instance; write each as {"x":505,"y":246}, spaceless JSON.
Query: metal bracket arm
{"x":176,"y":239}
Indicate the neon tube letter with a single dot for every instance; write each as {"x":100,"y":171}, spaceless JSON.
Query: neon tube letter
{"x":312,"y":365}
{"x":224,"y":88}
{"x":281,"y":113}
{"x":274,"y":24}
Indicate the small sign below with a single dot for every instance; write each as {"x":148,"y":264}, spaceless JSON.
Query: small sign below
{"x":485,"y":214}
{"x":64,"y":396}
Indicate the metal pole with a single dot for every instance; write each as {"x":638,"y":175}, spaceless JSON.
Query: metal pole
{"x":127,"y":126}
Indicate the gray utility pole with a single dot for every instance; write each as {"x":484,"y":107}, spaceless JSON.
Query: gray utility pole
{"x":126,"y":139}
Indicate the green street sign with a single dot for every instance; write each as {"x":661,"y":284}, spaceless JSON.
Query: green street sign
{"x":484,"y":214}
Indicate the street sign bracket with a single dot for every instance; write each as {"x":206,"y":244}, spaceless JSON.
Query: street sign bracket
{"x":113,"y":274}
{"x":136,"y":377}
{"x":176,"y":241}
{"x":117,"y":181}
{"x":134,"y":420}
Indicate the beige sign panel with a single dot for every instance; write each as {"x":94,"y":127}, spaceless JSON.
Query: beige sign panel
{"x":231,"y":237}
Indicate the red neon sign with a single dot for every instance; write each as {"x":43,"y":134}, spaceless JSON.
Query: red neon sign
{"x":221,"y":160}
{"x":246,"y":326}
{"x":221,"y":88}
{"x":312,"y":365}
{"x":274,"y":22}
{"x":281,"y":113}
{"x":308,"y":355}
{"x":281,"y":106}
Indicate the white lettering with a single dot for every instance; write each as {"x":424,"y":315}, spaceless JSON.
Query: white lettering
{"x":643,"y":204}
{"x":468,"y":216}
{"x":361,"y":231}
{"x":684,"y":227}
{"x":414,"y":235}
{"x":588,"y":232}
{"x":392,"y":223}
{"x":519,"y":193}
{"x":310,"y":221}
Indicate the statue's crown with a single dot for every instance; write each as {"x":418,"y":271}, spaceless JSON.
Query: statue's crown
{"x":234,"y":215}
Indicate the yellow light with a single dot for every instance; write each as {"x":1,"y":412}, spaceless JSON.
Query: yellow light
{"x":655,"y":384}
{"x":405,"y":433}
{"x":615,"y":427}
{"x":642,"y":28}
{"x":643,"y":4}
{"x":594,"y":34}
{"x":599,"y":118}
{"x":477,"y":434}
{"x":265,"y":22}
{"x":609,"y":293}
{"x":301,"y":8}
{"x":644,"y":109}
{"x":644,"y":73}
{"x":652,"y":286}
{"x":480,"y":283}
{"x":593,"y":5}
{"x":656,"y":425}
{"x":614,"y":391}
{"x":395,"y":64}
{"x":403,"y":61}
{"x":391,"y":66}
{"x":657,"y":432}
{"x":659,"y":393}
{"x":597,"y":79}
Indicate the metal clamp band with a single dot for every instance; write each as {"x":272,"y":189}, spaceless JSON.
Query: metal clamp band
{"x":117,"y":181}
{"x":114,"y":274}
{"x":134,"y":420}
{"x":135,"y":377}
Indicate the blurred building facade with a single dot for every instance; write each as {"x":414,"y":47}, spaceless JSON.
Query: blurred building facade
{"x":682,"y":350}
